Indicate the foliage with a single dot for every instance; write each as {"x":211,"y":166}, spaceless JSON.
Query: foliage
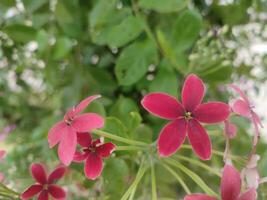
{"x":55,"y":53}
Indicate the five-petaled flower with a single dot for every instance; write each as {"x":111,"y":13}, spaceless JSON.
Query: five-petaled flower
{"x":186,"y":117}
{"x":92,"y":153}
{"x":244,"y":108}
{"x":64,"y":132}
{"x":230,"y":188}
{"x":44,"y":185}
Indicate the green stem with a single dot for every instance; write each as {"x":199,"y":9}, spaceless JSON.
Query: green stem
{"x":129,"y":148}
{"x":132,"y":193}
{"x":118,"y":138}
{"x":140,"y":174}
{"x":153,"y":182}
{"x":218,"y":153}
{"x":179,"y":179}
{"x":192,"y":175}
{"x":199,"y":164}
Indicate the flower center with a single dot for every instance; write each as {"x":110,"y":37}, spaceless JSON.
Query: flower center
{"x":188,"y":115}
{"x":45,"y":186}
{"x":69,"y":121}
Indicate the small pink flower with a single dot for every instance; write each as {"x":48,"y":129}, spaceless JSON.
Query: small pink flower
{"x":44,"y":185}
{"x":186,"y":117}
{"x":2,"y":156}
{"x":230,"y":188}
{"x":230,"y":129}
{"x":64,"y":132}
{"x":92,"y":153}
{"x":244,"y":108}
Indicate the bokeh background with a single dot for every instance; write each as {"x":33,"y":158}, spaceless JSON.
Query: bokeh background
{"x":53,"y":53}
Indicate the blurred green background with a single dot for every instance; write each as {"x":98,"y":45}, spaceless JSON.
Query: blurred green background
{"x":53,"y":53}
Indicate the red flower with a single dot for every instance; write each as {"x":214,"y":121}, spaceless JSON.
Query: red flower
{"x":230,"y":188}
{"x":185,"y":118}
{"x":92,"y":153}
{"x":64,"y":132}
{"x":45,"y":185}
{"x":244,"y":108}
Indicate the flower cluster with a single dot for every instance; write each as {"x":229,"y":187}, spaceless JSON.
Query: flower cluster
{"x":186,"y":120}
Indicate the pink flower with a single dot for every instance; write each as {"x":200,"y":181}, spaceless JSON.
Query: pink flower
{"x":230,"y":129}
{"x":2,"y":156}
{"x":44,"y":185}
{"x":64,"y":132}
{"x":244,"y":108}
{"x":185,"y":118}
{"x":230,"y":188}
{"x":92,"y":153}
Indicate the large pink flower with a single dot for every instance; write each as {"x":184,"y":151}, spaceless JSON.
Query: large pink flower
{"x":230,"y":188}
{"x":44,"y":185}
{"x":186,"y":117}
{"x":64,"y":132}
{"x":92,"y":153}
{"x":244,"y":108}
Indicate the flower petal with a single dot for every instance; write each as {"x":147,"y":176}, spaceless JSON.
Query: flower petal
{"x":192,"y":92}
{"x":230,"y":129}
{"x":38,"y":173}
{"x":105,"y":150}
{"x":80,"y":156}
{"x":93,"y":166}
{"x":172,"y":136}
{"x":162,"y":105}
{"x":43,"y":195}
{"x":230,"y":183}
{"x":251,"y":194}
{"x":56,"y":192}
{"x":58,"y":173}
{"x":55,"y":133}
{"x":67,"y":146}
{"x":199,"y":140}
{"x":84,"y":103}
{"x":241,"y":107}
{"x":212,"y":112}
{"x":84,"y":139}
{"x":87,"y":122}
{"x":31,"y":191}
{"x":241,"y":93}
{"x":199,"y":197}
{"x":2,"y":154}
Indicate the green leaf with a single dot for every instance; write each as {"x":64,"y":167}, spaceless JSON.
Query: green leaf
{"x":68,"y":19}
{"x":186,"y":30}
{"x":42,"y":40}
{"x":62,"y":47}
{"x":124,"y":32}
{"x":216,"y":74}
{"x":122,"y":109}
{"x":135,"y":120}
{"x":115,"y":174}
{"x":164,"y":6}
{"x":112,"y":26}
{"x":115,"y":126}
{"x":134,"y":60}
{"x":33,"y":5}
{"x":20,"y":33}
{"x":162,"y":84}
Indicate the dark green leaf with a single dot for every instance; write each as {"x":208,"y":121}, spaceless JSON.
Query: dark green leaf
{"x":134,"y":60}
